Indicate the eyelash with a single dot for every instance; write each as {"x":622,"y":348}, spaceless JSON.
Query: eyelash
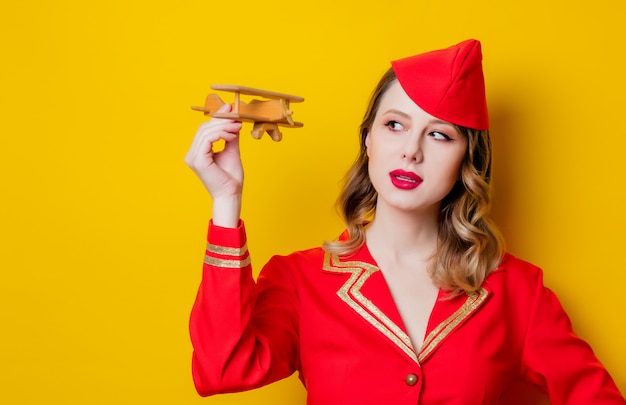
{"x":392,"y":123}
{"x":445,"y":137}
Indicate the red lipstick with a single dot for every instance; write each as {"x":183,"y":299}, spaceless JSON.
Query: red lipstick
{"x":405,"y":180}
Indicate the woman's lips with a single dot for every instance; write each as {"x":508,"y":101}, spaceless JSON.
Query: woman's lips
{"x":405,"y":180}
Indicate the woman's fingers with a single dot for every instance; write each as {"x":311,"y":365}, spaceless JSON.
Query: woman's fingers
{"x":220,"y":172}
{"x":201,"y":150}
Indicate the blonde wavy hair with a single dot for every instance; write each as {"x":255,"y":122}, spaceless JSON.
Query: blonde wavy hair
{"x":469,"y":244}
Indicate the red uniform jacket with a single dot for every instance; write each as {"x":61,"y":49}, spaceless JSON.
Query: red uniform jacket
{"x":334,"y":321}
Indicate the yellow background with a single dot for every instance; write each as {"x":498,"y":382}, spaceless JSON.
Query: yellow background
{"x":103,"y":225}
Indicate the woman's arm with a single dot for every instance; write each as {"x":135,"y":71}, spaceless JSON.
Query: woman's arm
{"x":220,"y":172}
{"x":560,"y":362}
{"x":243,"y":335}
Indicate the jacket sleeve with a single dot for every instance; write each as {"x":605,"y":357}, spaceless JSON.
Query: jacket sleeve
{"x":558,"y":361}
{"x":244,"y":334}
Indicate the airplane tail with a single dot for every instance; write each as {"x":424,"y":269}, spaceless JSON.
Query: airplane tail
{"x":212,"y":103}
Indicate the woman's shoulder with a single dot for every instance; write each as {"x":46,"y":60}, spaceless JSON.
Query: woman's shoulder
{"x":299,"y":259}
{"x":294,"y":268}
{"x":514,"y":272}
{"x":312,"y":255}
{"x":513,"y":263}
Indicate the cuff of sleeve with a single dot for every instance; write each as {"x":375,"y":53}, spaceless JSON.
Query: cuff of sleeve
{"x":227,"y":247}
{"x":227,"y":237}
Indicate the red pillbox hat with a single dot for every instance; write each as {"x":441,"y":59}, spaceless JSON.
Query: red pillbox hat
{"x":447,"y":83}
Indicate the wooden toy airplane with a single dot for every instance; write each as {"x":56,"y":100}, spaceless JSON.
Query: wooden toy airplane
{"x":266,"y":115}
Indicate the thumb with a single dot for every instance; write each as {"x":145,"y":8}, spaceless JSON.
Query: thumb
{"x":224,"y":108}
{"x":232,"y":146}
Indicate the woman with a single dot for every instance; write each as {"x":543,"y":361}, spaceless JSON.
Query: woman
{"x":416,"y":302}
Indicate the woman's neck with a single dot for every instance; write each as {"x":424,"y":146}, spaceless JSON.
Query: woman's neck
{"x":403,"y":234}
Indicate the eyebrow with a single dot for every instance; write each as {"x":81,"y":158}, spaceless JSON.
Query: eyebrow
{"x":394,"y":111}
{"x":432,"y":121}
{"x":438,"y":121}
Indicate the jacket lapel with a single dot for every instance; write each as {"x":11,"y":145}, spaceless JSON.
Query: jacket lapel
{"x":367,"y":293}
{"x":447,"y":316}
{"x":369,"y":307}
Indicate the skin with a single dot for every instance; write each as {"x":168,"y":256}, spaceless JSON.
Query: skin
{"x":402,"y":237}
{"x":221,"y":173}
{"x":403,"y":136}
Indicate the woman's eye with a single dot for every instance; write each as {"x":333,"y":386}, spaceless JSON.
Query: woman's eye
{"x":440,"y":136}
{"x":394,"y":125}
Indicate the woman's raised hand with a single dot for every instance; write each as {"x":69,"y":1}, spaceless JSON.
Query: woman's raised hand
{"x":220,"y":172}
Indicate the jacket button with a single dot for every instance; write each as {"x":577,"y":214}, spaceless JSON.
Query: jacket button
{"x":411,"y":379}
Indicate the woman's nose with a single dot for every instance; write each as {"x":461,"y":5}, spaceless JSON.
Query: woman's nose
{"x":412,"y":151}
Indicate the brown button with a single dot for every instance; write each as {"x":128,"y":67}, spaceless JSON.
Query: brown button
{"x":411,"y":379}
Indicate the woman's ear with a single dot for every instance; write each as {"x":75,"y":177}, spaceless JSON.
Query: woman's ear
{"x":366,"y":133}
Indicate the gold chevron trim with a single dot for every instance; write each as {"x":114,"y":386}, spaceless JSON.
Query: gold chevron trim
{"x":434,"y":338}
{"x":351,"y":294}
